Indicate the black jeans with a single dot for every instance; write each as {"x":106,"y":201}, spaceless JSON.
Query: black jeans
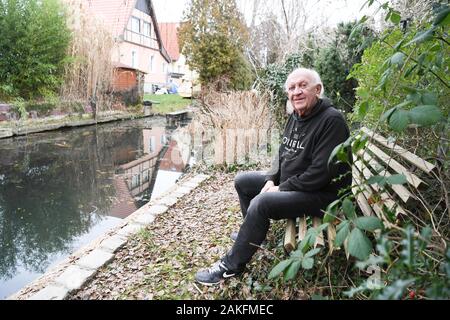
{"x":258,"y":209}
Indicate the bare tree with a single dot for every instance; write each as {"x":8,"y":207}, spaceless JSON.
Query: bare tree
{"x":280,"y":27}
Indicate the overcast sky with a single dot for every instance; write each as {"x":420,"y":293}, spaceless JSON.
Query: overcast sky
{"x":331,"y":11}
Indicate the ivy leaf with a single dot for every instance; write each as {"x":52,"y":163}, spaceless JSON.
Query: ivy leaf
{"x":422,"y":36}
{"x":279,"y":268}
{"x":297,"y":254}
{"x":311,"y":236}
{"x":410,"y":70}
{"x":384,"y":79}
{"x":414,"y":97}
{"x":304,"y":245}
{"x":395,"y":17}
{"x":369,"y":223}
{"x":399,"y":120}
{"x":429,"y":98}
{"x":359,"y":245}
{"x":399,"y":44}
{"x":344,"y":230}
{"x":292,"y":270}
{"x":312,"y":253}
{"x":443,"y":17}
{"x":398,"y":58}
{"x":426,"y":115}
{"x":388,"y":113}
{"x":380,"y":180}
{"x":396,"y":179}
{"x":349,"y":209}
{"x":331,"y":211}
{"x":363,"y":108}
{"x":338,"y":152}
{"x":307,"y":263}
{"x":359,"y":143}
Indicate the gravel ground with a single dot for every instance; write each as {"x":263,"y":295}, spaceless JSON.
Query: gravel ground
{"x":161,"y":260}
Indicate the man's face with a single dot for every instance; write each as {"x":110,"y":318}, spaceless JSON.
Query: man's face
{"x":302,"y":92}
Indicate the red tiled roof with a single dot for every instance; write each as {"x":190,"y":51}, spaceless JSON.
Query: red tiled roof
{"x":114,"y":13}
{"x":169,"y":37}
{"x":124,"y":204}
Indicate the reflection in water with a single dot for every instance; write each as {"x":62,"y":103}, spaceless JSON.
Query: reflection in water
{"x":59,"y":190}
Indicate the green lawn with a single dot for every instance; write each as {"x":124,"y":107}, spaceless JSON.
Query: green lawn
{"x":166,"y":103}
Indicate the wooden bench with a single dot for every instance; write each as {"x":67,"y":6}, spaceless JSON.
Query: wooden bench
{"x":378,"y":154}
{"x":177,"y":116}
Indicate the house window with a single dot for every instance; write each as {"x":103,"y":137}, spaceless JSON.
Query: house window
{"x":134,"y":59}
{"x":151,"y":63}
{"x":135,"y":181}
{"x":152,"y":144}
{"x":135,"y":25}
{"x":147,"y":29}
{"x":145,"y":176}
{"x":179,"y":69}
{"x":164,"y":67}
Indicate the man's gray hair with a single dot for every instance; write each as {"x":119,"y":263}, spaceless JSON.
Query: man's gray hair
{"x":312,"y":73}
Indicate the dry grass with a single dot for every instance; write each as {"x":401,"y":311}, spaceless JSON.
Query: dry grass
{"x":237,"y":124}
{"x":235,"y":110}
{"x":90,"y":72}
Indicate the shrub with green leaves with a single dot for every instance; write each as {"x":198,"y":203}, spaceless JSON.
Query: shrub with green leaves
{"x":334,"y":62}
{"x":33,"y":48}
{"x":414,"y":269}
{"x":404,"y":79}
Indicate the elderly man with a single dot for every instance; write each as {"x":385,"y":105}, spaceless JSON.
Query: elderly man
{"x":301,"y":182}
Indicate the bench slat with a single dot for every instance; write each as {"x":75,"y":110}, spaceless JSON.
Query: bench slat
{"x":319,"y":239}
{"x":331,"y":236}
{"x":407,"y":155}
{"x":302,"y":228}
{"x":402,"y":192}
{"x":412,"y":178}
{"x":362,"y":201}
{"x":289,"y":236}
{"x":384,"y":197}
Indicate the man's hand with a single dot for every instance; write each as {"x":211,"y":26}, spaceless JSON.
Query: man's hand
{"x":273,"y":189}
{"x":269,"y":187}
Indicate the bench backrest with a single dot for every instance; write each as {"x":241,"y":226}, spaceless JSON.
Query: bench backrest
{"x":380,"y":157}
{"x":383,"y":157}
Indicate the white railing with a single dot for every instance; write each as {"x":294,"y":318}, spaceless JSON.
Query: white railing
{"x":140,"y":39}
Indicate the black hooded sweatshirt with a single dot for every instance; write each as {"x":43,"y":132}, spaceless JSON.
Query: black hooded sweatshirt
{"x":304,"y":151}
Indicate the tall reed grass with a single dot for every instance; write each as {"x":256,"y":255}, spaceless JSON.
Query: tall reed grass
{"x":89,"y":73}
{"x":232,"y":127}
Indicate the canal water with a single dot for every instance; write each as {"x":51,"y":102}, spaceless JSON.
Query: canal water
{"x":60,"y":190}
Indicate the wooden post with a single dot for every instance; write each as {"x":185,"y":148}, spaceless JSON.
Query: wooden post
{"x":289,"y":236}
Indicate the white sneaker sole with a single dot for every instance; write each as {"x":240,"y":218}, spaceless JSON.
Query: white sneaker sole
{"x":209,"y":284}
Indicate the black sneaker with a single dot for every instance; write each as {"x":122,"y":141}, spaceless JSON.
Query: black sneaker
{"x":215,"y":274}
